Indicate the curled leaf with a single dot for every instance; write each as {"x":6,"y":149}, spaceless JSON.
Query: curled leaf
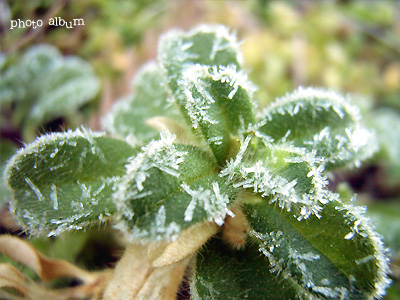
{"x":12,"y":281}
{"x":322,"y":121}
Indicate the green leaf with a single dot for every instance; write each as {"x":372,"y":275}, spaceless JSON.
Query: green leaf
{"x":63,"y":181}
{"x":286,"y":175}
{"x":44,"y":85}
{"x":204,"y":44}
{"x":335,"y":256}
{"x":22,"y":81}
{"x":70,"y":83}
{"x":218,"y":102}
{"x":168,"y":188}
{"x":7,"y":149}
{"x":151,"y":98}
{"x":320,"y":121}
{"x":222,"y":273}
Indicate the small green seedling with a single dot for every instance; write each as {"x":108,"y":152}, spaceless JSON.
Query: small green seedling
{"x":236,"y":198}
{"x":43,"y":85}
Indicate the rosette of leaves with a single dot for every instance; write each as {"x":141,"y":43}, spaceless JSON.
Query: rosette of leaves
{"x":252,"y":187}
{"x":44,"y":85}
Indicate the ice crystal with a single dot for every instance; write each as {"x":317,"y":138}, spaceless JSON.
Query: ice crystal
{"x":234,"y":78}
{"x":262,"y":177}
{"x":34,"y":188}
{"x":359,"y":225}
{"x":159,"y":229}
{"x":213,"y":202}
{"x":53,"y":196}
{"x":160,"y":154}
{"x":335,"y":101}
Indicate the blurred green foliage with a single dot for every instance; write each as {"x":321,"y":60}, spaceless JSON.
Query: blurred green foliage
{"x":348,"y":46}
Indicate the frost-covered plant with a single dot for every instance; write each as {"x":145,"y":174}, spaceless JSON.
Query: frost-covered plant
{"x":43,"y":85}
{"x":252,"y":188}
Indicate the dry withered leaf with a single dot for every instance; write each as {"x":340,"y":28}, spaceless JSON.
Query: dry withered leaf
{"x":15,"y":285}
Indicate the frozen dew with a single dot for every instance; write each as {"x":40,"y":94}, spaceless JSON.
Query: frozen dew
{"x":365,"y":259}
{"x":172,"y":47}
{"x":53,"y":154}
{"x":212,"y":201}
{"x":159,"y":229}
{"x":197,"y":97}
{"x":161,"y":154}
{"x":293,"y":103}
{"x":233,"y":165}
{"x":69,"y":223}
{"x":359,"y":224}
{"x":35,"y":189}
{"x":53,"y":196}
{"x":340,"y":293}
{"x":234,"y":78}
{"x":292,"y":264}
{"x":196,"y":94}
{"x":263,"y":177}
{"x":224,"y":40}
{"x":217,"y":140}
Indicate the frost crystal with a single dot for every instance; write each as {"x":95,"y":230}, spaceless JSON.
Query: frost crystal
{"x":34,"y":188}
{"x":214,"y":203}
{"x":198,"y":101}
{"x":263,"y":177}
{"x":336,"y":102}
{"x":160,"y":154}
{"x":159,"y":229}
{"x":232,"y":166}
{"x":195,"y":89}
{"x":292,"y":264}
{"x":53,"y":196}
{"x":359,"y":225}
{"x":234,"y":78}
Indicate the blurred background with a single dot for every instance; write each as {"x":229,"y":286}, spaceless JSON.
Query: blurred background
{"x":55,"y":77}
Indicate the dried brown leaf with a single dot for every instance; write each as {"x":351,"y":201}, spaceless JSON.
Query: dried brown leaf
{"x":93,"y":283}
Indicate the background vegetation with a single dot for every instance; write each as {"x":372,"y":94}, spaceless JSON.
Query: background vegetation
{"x":349,"y":46}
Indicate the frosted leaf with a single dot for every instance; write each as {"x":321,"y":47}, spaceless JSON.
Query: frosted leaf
{"x":360,"y":228}
{"x":160,"y":154}
{"x":213,"y":202}
{"x":172,"y":184}
{"x":204,"y":44}
{"x":72,"y":175}
{"x":321,"y":121}
{"x":218,"y":102}
{"x":338,"y":269}
{"x":289,"y":176}
{"x":223,"y":273}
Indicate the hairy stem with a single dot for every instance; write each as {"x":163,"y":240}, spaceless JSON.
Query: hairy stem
{"x":135,"y":278}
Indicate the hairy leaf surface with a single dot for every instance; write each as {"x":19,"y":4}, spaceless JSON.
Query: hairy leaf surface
{"x":336,"y":256}
{"x":286,"y":175}
{"x":320,"y":121}
{"x":225,"y":274}
{"x":204,"y":45}
{"x":169,"y":187}
{"x":63,"y":181}
{"x":218,"y":102}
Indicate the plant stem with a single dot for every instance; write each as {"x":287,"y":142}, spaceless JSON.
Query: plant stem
{"x":135,"y":278}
